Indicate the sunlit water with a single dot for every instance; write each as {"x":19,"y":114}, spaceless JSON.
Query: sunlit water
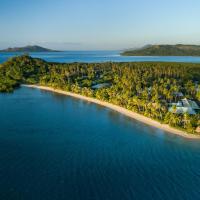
{"x":99,"y":56}
{"x":54,"y":147}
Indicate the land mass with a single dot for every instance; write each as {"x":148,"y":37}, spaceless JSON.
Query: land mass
{"x":168,"y":93}
{"x":165,"y":50}
{"x":28,"y":49}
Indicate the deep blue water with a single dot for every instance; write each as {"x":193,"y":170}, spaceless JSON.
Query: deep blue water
{"x":99,"y":56}
{"x":54,"y":147}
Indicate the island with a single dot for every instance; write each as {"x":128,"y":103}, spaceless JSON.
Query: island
{"x":28,"y":49}
{"x":166,"y":95}
{"x":164,"y":50}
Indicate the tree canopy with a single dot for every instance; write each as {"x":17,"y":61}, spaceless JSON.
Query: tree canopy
{"x":146,"y":87}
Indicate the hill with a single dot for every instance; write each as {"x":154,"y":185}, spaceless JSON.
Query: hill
{"x":34,"y":48}
{"x":165,"y":50}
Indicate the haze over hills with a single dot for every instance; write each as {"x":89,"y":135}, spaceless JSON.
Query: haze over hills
{"x":29,"y":48}
{"x":165,"y":50}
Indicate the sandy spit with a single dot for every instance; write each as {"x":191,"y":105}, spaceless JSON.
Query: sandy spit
{"x":121,"y":110}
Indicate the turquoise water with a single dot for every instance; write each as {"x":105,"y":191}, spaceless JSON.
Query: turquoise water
{"x":54,"y":147}
{"x":99,"y":56}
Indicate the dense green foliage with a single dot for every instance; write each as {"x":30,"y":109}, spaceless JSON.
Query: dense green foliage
{"x":146,"y":88}
{"x":165,"y":50}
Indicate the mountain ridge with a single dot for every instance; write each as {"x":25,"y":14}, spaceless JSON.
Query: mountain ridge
{"x":28,"y":48}
{"x":164,"y":50}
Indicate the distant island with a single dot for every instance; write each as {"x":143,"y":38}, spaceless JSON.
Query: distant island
{"x":27,"y":49}
{"x":165,"y":50}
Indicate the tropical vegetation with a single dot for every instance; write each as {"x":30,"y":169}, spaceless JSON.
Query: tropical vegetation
{"x":146,"y":88}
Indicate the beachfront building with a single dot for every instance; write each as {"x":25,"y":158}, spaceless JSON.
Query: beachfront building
{"x":101,"y":85}
{"x":178,"y":94}
{"x":184,"y":106}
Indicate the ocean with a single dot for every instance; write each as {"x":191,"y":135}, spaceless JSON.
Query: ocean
{"x":55,"y":147}
{"x":99,"y":56}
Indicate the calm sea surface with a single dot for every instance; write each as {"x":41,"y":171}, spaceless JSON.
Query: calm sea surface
{"x":99,"y":56}
{"x":54,"y":147}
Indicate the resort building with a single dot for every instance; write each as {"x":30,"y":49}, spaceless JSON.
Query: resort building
{"x":101,"y":85}
{"x":184,"y":106}
{"x":178,"y":94}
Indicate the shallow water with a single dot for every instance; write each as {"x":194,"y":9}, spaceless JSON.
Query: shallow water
{"x":100,"y":56}
{"x":55,"y":147}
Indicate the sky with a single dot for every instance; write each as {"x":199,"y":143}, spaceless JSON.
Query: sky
{"x":98,"y":24}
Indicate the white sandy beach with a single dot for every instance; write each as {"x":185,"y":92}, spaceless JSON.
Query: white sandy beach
{"x":121,"y":110}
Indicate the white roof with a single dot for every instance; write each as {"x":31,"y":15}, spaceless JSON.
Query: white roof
{"x":190,"y":103}
{"x":182,"y":110}
{"x":179,"y":94}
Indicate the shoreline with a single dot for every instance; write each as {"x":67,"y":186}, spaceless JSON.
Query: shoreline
{"x":121,"y":110}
